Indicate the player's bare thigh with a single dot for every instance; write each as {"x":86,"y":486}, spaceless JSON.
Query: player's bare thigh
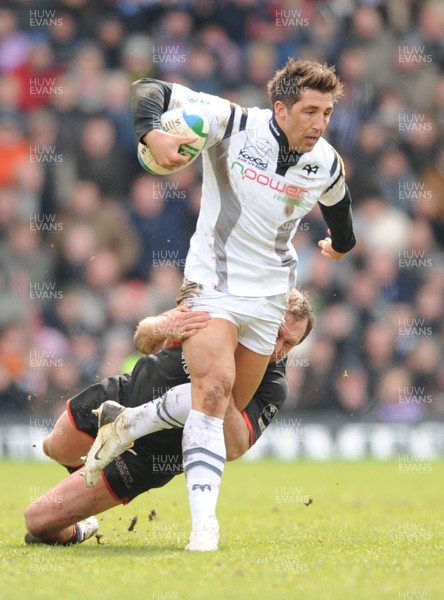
{"x":210,"y":358}
{"x":50,"y":516}
{"x":237,"y":437}
{"x":250,"y":369}
{"x":66,"y":444}
{"x":254,"y":320}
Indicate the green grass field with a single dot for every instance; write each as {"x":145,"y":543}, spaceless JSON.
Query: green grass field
{"x":370,"y":532}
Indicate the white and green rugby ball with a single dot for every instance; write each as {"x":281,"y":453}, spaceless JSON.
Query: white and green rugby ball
{"x":179,"y":121}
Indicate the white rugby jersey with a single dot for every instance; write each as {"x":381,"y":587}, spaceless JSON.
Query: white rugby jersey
{"x":255,"y":191}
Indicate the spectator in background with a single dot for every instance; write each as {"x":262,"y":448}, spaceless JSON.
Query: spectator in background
{"x":101,"y":160}
{"x":361,"y":172}
{"x":396,"y":181}
{"x":202,"y":69}
{"x":368,"y":32}
{"x":45,"y":153}
{"x":9,"y":205}
{"x":26,"y":257}
{"x":362,"y":294}
{"x":326,"y":34}
{"x":130,"y":302}
{"x":433,"y":179}
{"x":414,"y":82}
{"x":38,"y":77}
{"x":382,"y":226}
{"x":103,"y":272}
{"x":162,"y":236}
{"x":339,"y":323}
{"x":10,"y":93}
{"x":429,"y":306}
{"x":322,"y":281}
{"x":137,"y":56}
{"x":65,"y":37}
{"x":390,"y":109}
{"x":13,"y":364}
{"x":229,"y":57}
{"x":117,"y":345}
{"x":379,"y":350}
{"x":29,"y":181}
{"x":117,"y":110}
{"x":91,"y":225}
{"x":396,"y":397}
{"x":351,"y":389}
{"x":14,"y":44}
{"x":319,"y":367}
{"x":356,"y":105}
{"x":420,"y":140}
{"x":77,"y":247}
{"x":172,"y":44}
{"x":14,"y":147}
{"x":110,"y":33}
{"x":81,"y":316}
{"x":260,"y":65}
{"x":14,"y":404}
{"x":71,"y":118}
{"x":166,"y":283}
{"x":424,"y":364}
{"x":431,"y":30}
{"x":88,"y":68}
{"x":439,"y":102}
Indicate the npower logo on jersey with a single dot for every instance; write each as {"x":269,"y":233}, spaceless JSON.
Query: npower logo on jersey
{"x":291,"y":192}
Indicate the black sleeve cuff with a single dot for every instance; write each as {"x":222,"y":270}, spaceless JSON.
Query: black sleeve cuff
{"x":149,"y":99}
{"x":340,"y":222}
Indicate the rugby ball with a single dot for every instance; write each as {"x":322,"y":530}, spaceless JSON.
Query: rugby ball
{"x":179,"y":121}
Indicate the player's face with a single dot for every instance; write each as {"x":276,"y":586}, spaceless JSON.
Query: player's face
{"x":290,"y":334}
{"x":306,"y":120}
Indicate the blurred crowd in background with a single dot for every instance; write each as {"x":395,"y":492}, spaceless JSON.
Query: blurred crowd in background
{"x":90,"y":244}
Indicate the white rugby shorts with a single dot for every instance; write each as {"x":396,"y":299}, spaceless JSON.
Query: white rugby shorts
{"x":257,"y":318}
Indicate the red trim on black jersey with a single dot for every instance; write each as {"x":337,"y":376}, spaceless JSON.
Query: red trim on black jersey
{"x":252,"y":437}
{"x":73,"y":423}
{"x":75,"y":532}
{"x":110,"y":490}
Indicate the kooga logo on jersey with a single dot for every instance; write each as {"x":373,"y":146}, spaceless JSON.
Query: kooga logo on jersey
{"x":290,"y":191}
{"x":246,"y":156}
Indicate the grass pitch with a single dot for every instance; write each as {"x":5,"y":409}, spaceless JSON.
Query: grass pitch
{"x":308,"y":531}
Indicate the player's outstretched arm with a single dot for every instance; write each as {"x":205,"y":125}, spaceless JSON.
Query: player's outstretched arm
{"x":155,"y":333}
{"x":339,"y":219}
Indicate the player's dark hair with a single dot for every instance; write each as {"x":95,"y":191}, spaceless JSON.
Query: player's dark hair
{"x":301,"y":308}
{"x":289,"y":82}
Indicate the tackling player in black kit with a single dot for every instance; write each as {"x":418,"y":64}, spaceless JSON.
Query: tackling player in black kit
{"x":63,"y":515}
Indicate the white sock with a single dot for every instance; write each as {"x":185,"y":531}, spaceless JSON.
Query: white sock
{"x":204,"y":455}
{"x":168,"y":412}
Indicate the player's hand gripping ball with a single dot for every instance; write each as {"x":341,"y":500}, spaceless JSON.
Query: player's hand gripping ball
{"x":179,"y":121}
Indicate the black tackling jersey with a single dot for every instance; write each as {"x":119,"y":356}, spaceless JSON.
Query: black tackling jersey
{"x":154,"y":374}
{"x":159,"y":455}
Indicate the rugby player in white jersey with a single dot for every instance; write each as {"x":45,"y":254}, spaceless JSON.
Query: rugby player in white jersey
{"x":263,"y":170}
{"x":64,"y":514}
